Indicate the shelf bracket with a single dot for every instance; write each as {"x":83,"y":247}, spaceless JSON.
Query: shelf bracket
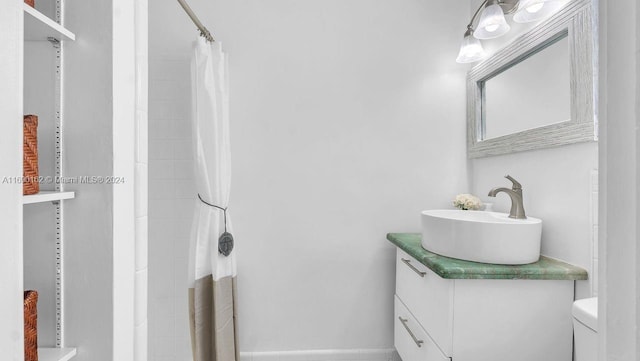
{"x":54,"y":41}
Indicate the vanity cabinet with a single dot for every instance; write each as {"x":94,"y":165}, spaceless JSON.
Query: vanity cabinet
{"x":467,"y":311}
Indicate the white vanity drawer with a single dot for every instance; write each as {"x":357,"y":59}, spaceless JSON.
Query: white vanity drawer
{"x":429,"y":298}
{"x":411,"y":341}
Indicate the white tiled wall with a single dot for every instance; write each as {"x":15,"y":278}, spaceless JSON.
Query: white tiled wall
{"x":141,"y":183}
{"x":171,"y":196}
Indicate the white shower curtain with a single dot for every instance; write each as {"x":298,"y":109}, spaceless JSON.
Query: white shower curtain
{"x":212,"y":274}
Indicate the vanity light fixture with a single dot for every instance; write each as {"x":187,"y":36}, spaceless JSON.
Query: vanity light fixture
{"x":492,"y":23}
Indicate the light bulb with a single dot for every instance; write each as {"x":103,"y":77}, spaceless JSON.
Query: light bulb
{"x":535,"y":8}
{"x":492,"y":28}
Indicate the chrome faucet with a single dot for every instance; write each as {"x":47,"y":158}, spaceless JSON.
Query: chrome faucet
{"x":515,"y":193}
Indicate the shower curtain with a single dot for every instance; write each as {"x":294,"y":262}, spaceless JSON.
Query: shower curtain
{"x":212,"y":265}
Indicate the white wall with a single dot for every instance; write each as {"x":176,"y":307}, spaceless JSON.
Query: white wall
{"x":347,"y":120}
{"x":11,"y":281}
{"x":618,"y":305}
{"x":558,"y":186}
{"x":89,"y":151}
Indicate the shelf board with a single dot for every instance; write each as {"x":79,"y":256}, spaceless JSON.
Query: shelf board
{"x":55,"y":354}
{"x":47,"y":196}
{"x":37,"y":26}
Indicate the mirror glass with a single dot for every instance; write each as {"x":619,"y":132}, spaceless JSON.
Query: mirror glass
{"x":532,"y":93}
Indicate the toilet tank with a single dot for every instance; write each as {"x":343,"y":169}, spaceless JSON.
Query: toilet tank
{"x":585,"y":328}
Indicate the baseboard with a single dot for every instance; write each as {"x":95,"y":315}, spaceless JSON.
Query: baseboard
{"x":387,"y":354}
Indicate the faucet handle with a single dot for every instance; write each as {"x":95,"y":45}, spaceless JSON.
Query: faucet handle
{"x":516,"y":184}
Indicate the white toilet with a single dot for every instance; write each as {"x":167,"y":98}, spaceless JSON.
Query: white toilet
{"x":585,"y":329}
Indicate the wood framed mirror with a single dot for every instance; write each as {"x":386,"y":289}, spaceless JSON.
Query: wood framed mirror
{"x":538,"y":91}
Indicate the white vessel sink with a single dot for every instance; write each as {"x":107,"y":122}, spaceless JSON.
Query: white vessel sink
{"x":487,"y":237}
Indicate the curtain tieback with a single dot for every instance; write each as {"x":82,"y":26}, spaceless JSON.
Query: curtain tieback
{"x":225,"y":242}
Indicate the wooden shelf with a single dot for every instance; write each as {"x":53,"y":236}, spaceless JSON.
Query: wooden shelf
{"x":55,"y":354}
{"x":37,"y":26}
{"x":47,"y":196}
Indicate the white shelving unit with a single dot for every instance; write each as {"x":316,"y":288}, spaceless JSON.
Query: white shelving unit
{"x":39,"y":27}
{"x":47,"y":196}
{"x":55,"y":354}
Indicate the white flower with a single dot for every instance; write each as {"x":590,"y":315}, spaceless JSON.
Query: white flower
{"x":467,"y":202}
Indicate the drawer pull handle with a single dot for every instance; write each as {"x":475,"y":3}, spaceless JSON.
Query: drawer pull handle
{"x":415,"y":339}
{"x":408,"y":263}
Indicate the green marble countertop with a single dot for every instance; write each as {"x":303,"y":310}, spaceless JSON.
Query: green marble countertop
{"x":545,"y":269}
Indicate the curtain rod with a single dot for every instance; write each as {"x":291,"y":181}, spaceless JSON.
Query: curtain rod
{"x":203,"y":30}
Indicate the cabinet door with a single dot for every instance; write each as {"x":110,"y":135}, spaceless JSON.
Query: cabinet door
{"x":428,"y":296}
{"x":507,"y":320}
{"x":411,"y":341}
